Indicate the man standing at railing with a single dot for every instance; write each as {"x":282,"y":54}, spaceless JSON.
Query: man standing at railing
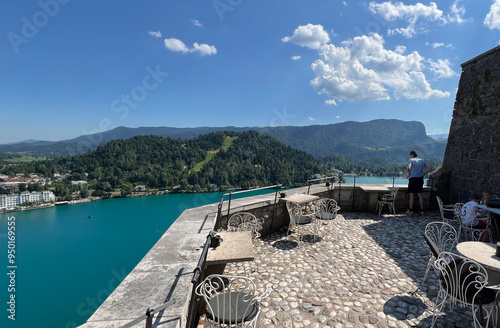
{"x":416,"y":174}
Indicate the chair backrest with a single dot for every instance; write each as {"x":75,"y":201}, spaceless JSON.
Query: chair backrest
{"x":326,"y":205}
{"x":458,"y":212}
{"x":391,"y":196}
{"x":441,"y":208}
{"x":441,"y":237}
{"x":230,"y":300}
{"x":295,"y":212}
{"x":244,"y":221}
{"x":461,"y":278}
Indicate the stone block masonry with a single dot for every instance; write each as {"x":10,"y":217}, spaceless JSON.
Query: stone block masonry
{"x":472,"y":159}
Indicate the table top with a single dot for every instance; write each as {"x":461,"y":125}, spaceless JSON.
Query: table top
{"x":484,"y":253}
{"x":300,"y":198}
{"x":235,"y":246}
{"x":490,"y":209}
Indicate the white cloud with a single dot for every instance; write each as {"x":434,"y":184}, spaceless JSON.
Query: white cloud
{"x":337,"y":116}
{"x":456,"y":14}
{"x":416,"y":15}
{"x":156,"y":34}
{"x":331,"y":102}
{"x":311,"y":36}
{"x":441,"y":68}
{"x":196,"y":22}
{"x":177,"y":45}
{"x":361,"y":69}
{"x":311,"y":118}
{"x":492,"y":20}
{"x":203,"y":49}
{"x":439,"y":44}
{"x":296,"y":57}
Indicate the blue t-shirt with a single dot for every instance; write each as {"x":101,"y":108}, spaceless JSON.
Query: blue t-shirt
{"x":417,"y":167}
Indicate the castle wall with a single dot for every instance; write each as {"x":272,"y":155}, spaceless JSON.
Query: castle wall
{"x":471,"y":162}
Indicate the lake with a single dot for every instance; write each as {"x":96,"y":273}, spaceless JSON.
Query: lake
{"x":68,"y":263}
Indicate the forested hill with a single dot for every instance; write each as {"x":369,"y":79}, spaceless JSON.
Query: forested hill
{"x":222,"y":159}
{"x":388,"y":139}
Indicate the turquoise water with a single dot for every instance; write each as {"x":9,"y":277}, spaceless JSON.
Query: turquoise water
{"x":375,"y":180}
{"x":68,"y":263}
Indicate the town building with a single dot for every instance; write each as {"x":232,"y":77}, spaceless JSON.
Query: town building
{"x":26,"y":197}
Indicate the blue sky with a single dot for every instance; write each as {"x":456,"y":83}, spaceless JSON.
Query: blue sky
{"x":70,"y":67}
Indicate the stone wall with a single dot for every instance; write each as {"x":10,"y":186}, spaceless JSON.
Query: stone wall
{"x":361,"y":198}
{"x":471,"y":162}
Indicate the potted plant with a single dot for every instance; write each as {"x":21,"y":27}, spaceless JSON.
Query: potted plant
{"x":214,"y":240}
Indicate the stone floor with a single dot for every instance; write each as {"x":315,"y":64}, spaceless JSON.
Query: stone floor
{"x":364,"y":271}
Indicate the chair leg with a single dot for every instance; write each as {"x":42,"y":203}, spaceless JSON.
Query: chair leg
{"x":429,"y":264}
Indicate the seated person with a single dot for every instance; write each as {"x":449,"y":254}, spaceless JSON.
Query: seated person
{"x":470,"y":217}
{"x":483,"y":213}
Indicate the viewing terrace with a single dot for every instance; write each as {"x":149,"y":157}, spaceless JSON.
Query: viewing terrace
{"x":364,"y":271}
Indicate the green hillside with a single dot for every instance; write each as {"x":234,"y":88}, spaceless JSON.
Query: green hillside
{"x":221,"y":160}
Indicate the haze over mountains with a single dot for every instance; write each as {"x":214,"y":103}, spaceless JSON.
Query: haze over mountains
{"x":390,"y":140}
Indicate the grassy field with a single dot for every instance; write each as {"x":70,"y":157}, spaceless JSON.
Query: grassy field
{"x":18,"y":158}
{"x":211,"y":153}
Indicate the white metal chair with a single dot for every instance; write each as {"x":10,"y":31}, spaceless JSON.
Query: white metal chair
{"x":447,"y":211}
{"x":231,"y":301}
{"x":244,"y":221}
{"x":301,"y":221}
{"x":326,"y":210}
{"x":470,"y":233}
{"x":388,"y":199}
{"x":463,"y":281}
{"x":440,"y":237}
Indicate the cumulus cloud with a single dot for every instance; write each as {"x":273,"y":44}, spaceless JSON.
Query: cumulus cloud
{"x":361,"y":69}
{"x":155,"y":34}
{"x":331,"y":102}
{"x":492,"y":20}
{"x":203,"y":49}
{"x":416,"y":16}
{"x":311,"y":118}
{"x":296,"y":57}
{"x":196,"y":22}
{"x":441,"y":68}
{"x":177,"y":45}
{"x":311,"y":36}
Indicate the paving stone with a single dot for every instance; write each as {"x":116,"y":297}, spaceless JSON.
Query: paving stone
{"x":369,"y":273}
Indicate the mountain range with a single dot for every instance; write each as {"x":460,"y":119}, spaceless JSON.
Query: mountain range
{"x":390,"y":140}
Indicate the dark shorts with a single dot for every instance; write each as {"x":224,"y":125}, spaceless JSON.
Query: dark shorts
{"x":415,"y":185}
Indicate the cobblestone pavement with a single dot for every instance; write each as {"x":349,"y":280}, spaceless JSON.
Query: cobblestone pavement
{"x":364,"y":271}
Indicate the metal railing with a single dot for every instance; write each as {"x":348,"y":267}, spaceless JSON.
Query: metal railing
{"x":329,"y":181}
{"x":193,"y":305}
{"x":277,"y":186}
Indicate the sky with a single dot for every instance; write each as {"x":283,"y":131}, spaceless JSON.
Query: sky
{"x":69,"y":67}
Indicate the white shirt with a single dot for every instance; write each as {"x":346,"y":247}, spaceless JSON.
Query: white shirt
{"x":468,"y":215}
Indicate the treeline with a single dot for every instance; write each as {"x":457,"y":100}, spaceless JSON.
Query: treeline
{"x":374,"y":167}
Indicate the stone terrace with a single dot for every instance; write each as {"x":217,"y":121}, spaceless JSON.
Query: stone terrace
{"x":366,"y":272}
